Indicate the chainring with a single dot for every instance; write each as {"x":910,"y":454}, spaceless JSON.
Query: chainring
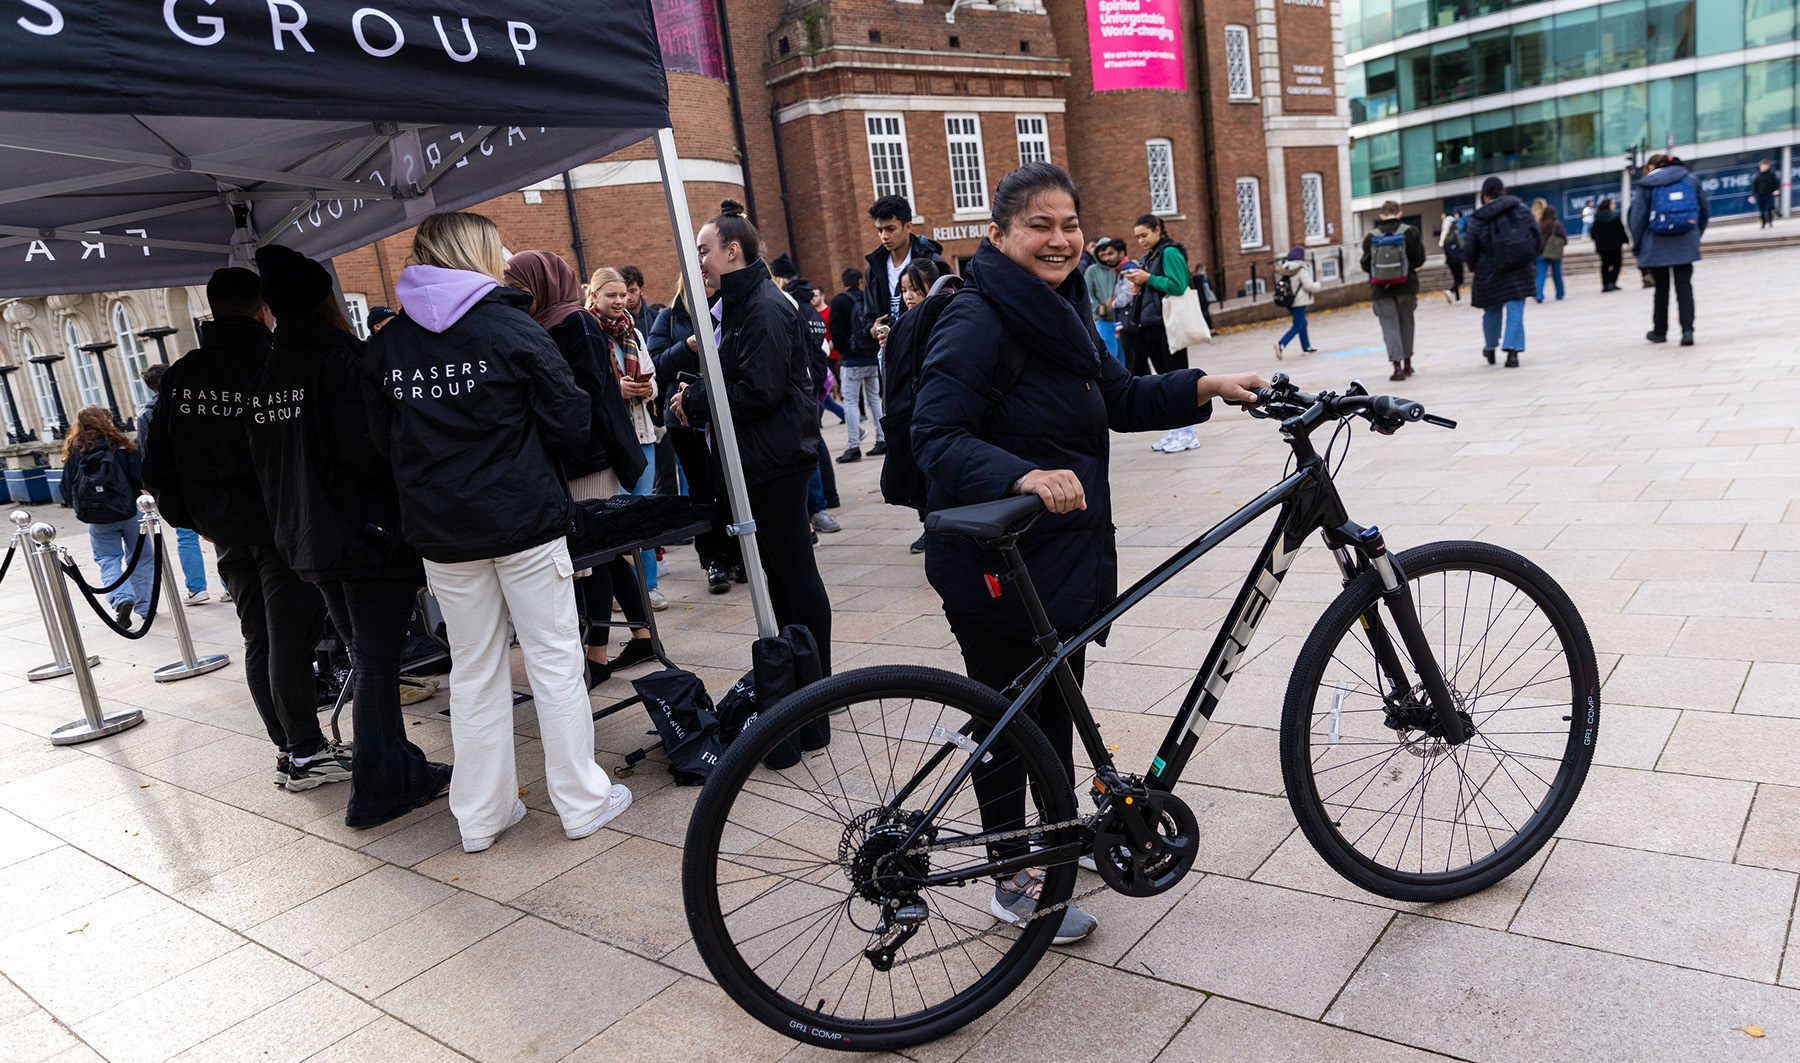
{"x":1137,"y":873}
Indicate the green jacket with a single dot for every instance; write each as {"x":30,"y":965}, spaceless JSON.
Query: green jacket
{"x":1172,"y":278}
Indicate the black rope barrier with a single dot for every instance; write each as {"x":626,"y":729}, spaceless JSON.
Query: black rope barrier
{"x":6,"y":564}
{"x":101,"y":610}
{"x":137,"y":553}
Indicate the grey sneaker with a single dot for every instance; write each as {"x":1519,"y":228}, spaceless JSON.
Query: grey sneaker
{"x":197,"y":597}
{"x":331,"y":764}
{"x":479,"y":845}
{"x":1015,"y":901}
{"x":825,"y":522}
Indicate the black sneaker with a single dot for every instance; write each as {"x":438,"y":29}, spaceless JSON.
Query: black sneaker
{"x":1512,"y":359}
{"x":1656,"y":337}
{"x":848,"y":456}
{"x":1488,"y":353}
{"x":330,"y":764}
{"x":123,"y":612}
{"x":918,"y":546}
{"x":878,"y":449}
{"x":1687,"y":338}
{"x":738,"y":575}
{"x":283,"y":764}
{"x":718,"y":581}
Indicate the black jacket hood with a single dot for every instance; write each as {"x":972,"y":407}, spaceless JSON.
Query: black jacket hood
{"x":1493,"y":208}
{"x":1052,"y":322}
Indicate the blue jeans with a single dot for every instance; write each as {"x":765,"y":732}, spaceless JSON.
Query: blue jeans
{"x":1109,"y":335}
{"x":1552,"y":267}
{"x":644,"y":486}
{"x":831,"y":406}
{"x":1298,"y":328}
{"x":113,"y":543}
{"x":1514,"y":315}
{"x":193,"y":565}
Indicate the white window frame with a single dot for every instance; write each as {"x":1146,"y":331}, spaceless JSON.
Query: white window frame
{"x":356,"y":308}
{"x":1250,"y":224}
{"x":886,"y":143}
{"x":968,"y":191}
{"x":132,"y":352}
{"x":87,"y":374}
{"x":1162,"y":200}
{"x":1034,"y":138}
{"x":1240,"y":78}
{"x":1312,"y":207}
{"x":42,"y":381}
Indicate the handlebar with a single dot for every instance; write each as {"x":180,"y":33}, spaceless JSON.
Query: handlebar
{"x":1386,"y":413}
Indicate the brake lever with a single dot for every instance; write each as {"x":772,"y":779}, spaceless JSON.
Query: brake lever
{"x":1441,"y":422}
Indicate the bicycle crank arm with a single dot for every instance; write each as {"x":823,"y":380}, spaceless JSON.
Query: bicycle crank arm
{"x":1057,"y":854}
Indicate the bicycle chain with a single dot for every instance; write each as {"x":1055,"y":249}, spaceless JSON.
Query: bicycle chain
{"x":986,"y":839}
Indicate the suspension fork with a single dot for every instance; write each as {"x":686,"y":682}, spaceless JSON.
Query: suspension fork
{"x":1396,"y":593}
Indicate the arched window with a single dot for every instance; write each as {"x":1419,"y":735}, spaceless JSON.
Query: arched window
{"x":87,"y":372}
{"x":41,"y":385}
{"x":133,"y":353}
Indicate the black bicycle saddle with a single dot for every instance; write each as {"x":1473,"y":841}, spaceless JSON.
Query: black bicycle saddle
{"x":985,"y":520}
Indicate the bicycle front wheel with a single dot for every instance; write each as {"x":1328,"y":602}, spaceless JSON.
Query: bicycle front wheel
{"x":808,"y":903}
{"x":1400,"y":812}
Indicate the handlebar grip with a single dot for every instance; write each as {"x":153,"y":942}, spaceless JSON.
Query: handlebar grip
{"x":1386,"y":406}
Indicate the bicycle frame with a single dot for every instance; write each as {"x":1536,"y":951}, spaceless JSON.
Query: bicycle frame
{"x":1309,"y":502}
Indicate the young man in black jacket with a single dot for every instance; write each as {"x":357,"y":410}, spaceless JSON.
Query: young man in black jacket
{"x":900,"y":247}
{"x":197,"y":460}
{"x":1763,"y":188}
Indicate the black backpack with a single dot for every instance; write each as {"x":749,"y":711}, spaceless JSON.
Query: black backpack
{"x":1285,"y":290}
{"x":903,"y":483}
{"x":1515,"y":239}
{"x":103,"y":491}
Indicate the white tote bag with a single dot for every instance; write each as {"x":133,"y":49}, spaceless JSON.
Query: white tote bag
{"x":1183,"y":321}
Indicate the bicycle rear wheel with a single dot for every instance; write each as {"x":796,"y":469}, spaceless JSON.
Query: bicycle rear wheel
{"x":793,"y":878}
{"x":1402,"y":813}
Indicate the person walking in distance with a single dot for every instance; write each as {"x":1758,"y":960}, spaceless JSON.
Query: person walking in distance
{"x":1763,"y":189}
{"x":197,"y":460}
{"x":101,"y":478}
{"x":469,"y":397}
{"x":187,"y":540}
{"x":1048,"y":435}
{"x":1392,"y":253}
{"x":1552,"y":239}
{"x":1450,"y":239}
{"x":1500,"y":240}
{"x":1608,"y":233}
{"x":1101,"y":278}
{"x":900,"y":247}
{"x":1164,"y":272}
{"x":821,"y":491}
{"x":1669,"y":212}
{"x":765,"y":358}
{"x":1294,"y":288}
{"x":336,"y":520}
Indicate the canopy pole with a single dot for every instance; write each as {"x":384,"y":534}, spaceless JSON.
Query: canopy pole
{"x":724,"y":432}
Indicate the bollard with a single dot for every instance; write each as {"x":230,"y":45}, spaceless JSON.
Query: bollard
{"x":60,"y":666}
{"x":95,"y":723}
{"x":150,"y":523}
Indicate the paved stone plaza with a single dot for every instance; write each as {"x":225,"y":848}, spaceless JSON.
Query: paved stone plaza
{"x":160,"y":900}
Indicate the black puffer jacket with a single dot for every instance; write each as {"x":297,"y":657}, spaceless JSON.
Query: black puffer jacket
{"x":1057,"y":416}
{"x":667,"y":342}
{"x":330,"y":494}
{"x":818,"y":363}
{"x":611,"y":443}
{"x":197,"y":459}
{"x":1500,"y":232}
{"x":766,"y":364}
{"x":1608,"y":232}
{"x":469,"y":416}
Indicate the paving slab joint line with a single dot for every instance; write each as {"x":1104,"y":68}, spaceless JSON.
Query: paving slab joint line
{"x":60,"y":1024}
{"x":1370,"y":951}
{"x":1744,"y":828}
{"x":1787,"y":950}
{"x":1548,"y":851}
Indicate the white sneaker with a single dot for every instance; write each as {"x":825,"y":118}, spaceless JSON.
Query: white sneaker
{"x":1186,"y":440}
{"x":478,"y":845}
{"x":1168,"y":437}
{"x":197,"y":597}
{"x":657,"y":602}
{"x":621,"y":800}
{"x":1279,"y":351}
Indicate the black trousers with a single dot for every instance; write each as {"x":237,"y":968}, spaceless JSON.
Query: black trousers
{"x":389,"y":775}
{"x":1765,"y":209}
{"x":1456,"y":276}
{"x":1152,"y":352}
{"x":667,"y":481}
{"x":615,"y":579}
{"x":827,"y":467}
{"x":282,"y":618}
{"x":996,"y":660}
{"x":1683,"y":276}
{"x":1610,"y":262}
{"x":784,"y":537}
{"x":705,"y":480}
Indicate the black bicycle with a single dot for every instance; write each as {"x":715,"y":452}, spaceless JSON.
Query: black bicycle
{"x":1438,"y":726}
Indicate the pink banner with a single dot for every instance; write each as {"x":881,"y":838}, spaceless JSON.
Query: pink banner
{"x":690,"y":36}
{"x":1136,"y":44}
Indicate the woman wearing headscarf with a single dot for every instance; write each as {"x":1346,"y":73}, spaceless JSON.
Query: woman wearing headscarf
{"x":611,"y":457}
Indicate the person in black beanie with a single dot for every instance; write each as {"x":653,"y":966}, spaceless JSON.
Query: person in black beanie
{"x":335,"y":515}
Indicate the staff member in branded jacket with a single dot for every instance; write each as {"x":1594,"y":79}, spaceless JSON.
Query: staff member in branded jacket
{"x":763,"y":352}
{"x":197,"y":460}
{"x":612,"y":456}
{"x":1048,"y":435}
{"x":467,"y":397}
{"x":336,"y":520}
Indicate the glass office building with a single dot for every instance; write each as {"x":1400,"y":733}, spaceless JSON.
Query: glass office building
{"x":1550,"y":94}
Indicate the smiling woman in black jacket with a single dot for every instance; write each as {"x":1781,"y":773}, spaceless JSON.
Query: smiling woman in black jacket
{"x":336,"y":519}
{"x":764,"y":352}
{"x":1047,"y":435}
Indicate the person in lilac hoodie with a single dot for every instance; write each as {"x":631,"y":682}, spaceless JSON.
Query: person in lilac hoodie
{"x":468,"y":396}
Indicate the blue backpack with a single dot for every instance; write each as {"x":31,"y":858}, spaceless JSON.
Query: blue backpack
{"x":1674,"y":208}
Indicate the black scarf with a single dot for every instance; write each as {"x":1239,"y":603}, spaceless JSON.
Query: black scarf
{"x":1050,"y":322}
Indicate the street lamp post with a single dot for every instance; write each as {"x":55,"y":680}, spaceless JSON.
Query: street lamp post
{"x":157,"y":334}
{"x":98,"y":352}
{"x":48,"y":361}
{"x":16,"y":433}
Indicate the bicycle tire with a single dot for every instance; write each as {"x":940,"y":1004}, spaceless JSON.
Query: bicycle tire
{"x":844,"y":698}
{"x":1329,"y":812}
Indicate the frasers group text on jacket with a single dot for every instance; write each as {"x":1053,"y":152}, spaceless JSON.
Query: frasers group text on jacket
{"x":277,"y":405}
{"x":376,"y":32}
{"x":451,"y":378}
{"x":210,"y":403}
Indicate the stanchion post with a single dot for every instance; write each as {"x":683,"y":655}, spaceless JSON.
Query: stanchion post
{"x":95,"y":723}
{"x":60,"y":666}
{"x":150,"y":524}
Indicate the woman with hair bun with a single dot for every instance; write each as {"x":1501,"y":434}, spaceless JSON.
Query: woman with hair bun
{"x":765,"y":354}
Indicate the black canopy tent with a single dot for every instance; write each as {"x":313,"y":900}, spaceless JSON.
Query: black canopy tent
{"x":146,"y":145}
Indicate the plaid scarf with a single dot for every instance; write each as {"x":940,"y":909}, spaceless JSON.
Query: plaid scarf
{"x":626,"y":355}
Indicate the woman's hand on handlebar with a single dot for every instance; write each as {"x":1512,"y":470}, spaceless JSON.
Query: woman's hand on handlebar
{"x":1060,"y":489}
{"x":1234,"y":387}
